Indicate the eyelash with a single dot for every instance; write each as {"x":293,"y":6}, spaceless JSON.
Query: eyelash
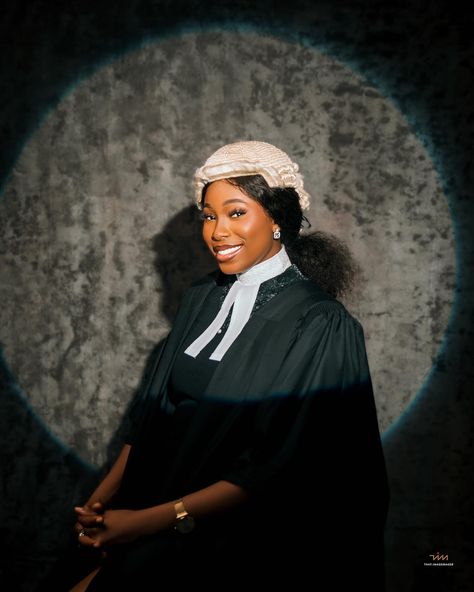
{"x":205,"y":217}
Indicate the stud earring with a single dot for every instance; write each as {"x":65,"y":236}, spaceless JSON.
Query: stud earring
{"x":276,"y":234}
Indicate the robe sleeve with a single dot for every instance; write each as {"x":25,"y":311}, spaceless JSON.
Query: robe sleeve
{"x":135,"y":411}
{"x":315,"y":444}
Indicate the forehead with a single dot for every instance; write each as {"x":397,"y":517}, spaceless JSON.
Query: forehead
{"x":220,"y":192}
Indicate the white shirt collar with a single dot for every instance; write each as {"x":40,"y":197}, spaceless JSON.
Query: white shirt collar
{"x":267,"y":269}
{"x":241,"y":297}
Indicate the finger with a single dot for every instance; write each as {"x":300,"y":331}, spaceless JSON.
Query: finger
{"x":84,"y":539}
{"x":96,"y":541}
{"x":97,"y":507}
{"x":84,"y":510}
{"x":78,"y":527}
{"x":90,"y":521}
{"x":92,"y":533}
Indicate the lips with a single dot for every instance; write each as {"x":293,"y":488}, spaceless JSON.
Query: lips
{"x":226,"y":252}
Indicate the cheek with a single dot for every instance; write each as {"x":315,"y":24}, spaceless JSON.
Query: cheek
{"x":254,"y":228}
{"x":261,"y":234}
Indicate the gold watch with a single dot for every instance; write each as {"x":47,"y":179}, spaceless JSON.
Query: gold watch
{"x":184,"y":521}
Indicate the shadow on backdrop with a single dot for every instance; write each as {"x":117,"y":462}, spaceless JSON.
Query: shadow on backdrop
{"x":180,"y":258}
{"x":43,"y":478}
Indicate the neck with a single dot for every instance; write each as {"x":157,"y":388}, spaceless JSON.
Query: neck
{"x":267,"y":269}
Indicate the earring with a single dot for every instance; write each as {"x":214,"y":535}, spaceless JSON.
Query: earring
{"x":276,"y":234}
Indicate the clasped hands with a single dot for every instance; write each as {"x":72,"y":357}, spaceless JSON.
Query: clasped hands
{"x":97,"y":527}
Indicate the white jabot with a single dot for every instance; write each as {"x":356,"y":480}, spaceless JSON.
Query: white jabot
{"x":241,"y":295}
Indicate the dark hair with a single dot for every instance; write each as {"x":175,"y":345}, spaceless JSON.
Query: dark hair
{"x":320,"y":256}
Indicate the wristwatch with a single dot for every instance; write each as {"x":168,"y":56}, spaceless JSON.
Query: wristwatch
{"x":184,"y":521}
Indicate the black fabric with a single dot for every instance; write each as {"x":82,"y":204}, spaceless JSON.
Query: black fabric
{"x":190,"y":376}
{"x":288,"y":414}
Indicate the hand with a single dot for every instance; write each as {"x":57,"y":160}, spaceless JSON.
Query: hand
{"x":115,"y":527}
{"x":90,"y":518}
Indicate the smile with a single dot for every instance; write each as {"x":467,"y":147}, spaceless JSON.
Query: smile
{"x":226,"y":254}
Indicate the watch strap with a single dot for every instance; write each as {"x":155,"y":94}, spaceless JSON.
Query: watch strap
{"x":180,"y":510}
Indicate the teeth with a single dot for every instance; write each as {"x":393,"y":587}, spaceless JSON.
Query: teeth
{"x":231,"y":250}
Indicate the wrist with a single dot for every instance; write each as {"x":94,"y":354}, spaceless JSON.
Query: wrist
{"x":157,"y":518}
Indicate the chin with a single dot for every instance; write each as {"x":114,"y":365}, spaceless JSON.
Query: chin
{"x":228,"y":269}
{"x":232,"y":267}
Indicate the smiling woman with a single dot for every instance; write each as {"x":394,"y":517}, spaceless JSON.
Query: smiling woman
{"x":91,"y":189}
{"x":237,"y":230}
{"x":257,"y":429}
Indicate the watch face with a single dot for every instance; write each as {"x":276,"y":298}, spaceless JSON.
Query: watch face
{"x":185,"y":525}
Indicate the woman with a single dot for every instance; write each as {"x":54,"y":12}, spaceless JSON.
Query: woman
{"x":256,"y":458}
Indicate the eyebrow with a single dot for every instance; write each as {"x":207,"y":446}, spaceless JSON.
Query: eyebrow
{"x":234,"y":199}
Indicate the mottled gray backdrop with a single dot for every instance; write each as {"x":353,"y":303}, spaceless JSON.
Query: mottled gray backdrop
{"x":101,"y":190}
{"x":106,"y":108}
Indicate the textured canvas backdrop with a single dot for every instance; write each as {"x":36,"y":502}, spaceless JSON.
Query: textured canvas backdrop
{"x":102,"y":128}
{"x":93,"y":226}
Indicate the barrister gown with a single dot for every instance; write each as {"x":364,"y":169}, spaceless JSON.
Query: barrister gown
{"x":289,"y":415}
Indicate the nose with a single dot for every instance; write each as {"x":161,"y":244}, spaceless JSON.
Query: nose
{"x":220,"y":229}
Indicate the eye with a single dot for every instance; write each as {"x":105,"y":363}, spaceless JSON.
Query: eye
{"x":237,"y":213}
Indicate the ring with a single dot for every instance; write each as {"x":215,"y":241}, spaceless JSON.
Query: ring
{"x":82,"y":533}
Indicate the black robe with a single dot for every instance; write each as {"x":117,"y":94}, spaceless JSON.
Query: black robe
{"x":289,"y":415}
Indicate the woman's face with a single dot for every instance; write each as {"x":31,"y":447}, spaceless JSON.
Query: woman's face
{"x":236,"y":228}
